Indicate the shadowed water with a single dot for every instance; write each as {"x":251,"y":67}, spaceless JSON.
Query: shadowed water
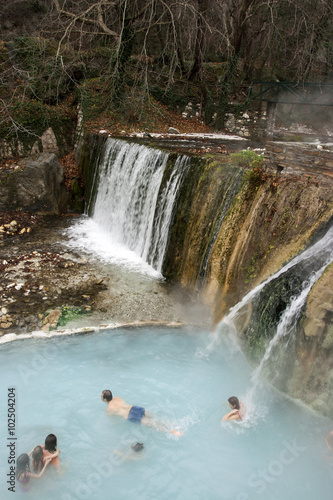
{"x":275,"y":453}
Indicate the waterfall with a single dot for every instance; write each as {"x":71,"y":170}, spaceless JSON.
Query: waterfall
{"x":307,"y":267}
{"x":288,"y":322}
{"x":163,"y":214}
{"x":134,"y":195}
{"x":320,"y":252}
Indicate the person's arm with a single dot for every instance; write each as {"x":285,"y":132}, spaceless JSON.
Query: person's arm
{"x":50,"y":455}
{"x":54,"y":455}
{"x":232,"y":415}
{"x":121,"y":454}
{"x":37,"y":476}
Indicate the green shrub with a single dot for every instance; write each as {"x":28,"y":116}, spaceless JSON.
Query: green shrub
{"x":246,"y":158}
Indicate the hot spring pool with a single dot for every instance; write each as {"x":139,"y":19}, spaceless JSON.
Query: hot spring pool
{"x":277,"y":454}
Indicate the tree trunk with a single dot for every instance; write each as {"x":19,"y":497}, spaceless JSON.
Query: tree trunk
{"x":238,"y":22}
{"x":123,"y":55}
{"x":226,"y":88}
{"x":199,"y":42}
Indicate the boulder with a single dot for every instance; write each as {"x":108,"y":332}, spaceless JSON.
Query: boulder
{"x":36,"y":187}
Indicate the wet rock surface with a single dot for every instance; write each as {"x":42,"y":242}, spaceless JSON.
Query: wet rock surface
{"x":45,"y":285}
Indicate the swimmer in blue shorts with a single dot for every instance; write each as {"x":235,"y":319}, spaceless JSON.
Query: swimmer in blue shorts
{"x":136,"y":414}
{"x":117,"y":406}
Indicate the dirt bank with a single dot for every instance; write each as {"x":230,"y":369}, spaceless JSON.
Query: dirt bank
{"x":40,"y":275}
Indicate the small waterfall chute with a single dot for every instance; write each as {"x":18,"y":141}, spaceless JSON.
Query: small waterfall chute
{"x":320,"y":252}
{"x":304,"y":271}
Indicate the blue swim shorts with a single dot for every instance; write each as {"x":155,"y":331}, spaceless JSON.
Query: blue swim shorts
{"x":136,"y":413}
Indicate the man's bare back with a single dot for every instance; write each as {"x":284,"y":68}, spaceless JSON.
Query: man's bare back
{"x":117,"y":406}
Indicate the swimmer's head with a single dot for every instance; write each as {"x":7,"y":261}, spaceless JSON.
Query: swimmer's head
{"x":22,"y":464}
{"x":234,"y":402}
{"x":51,"y":443}
{"x":37,"y":453}
{"x":107,"y":395}
{"x":137,"y":447}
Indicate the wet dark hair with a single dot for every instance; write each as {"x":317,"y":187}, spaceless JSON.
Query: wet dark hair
{"x":51,"y":443}
{"x":137,"y":447}
{"x":107,"y":395}
{"x":22,"y":464}
{"x":234,"y":402}
{"x":37,"y":459}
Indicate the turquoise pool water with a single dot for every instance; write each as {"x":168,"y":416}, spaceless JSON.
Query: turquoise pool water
{"x":276,"y":453}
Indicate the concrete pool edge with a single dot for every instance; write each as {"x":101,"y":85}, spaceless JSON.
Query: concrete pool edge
{"x":11,"y":337}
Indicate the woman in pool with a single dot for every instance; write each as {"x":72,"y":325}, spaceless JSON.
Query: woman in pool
{"x":37,"y":459}
{"x":236,"y":410}
{"x":50,"y":450}
{"x":23,"y":473}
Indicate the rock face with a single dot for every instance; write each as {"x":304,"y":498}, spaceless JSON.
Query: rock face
{"x":36,"y":186}
{"x":223,"y":251}
{"x":312,"y":378}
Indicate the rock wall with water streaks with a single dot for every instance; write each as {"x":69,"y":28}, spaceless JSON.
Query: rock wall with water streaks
{"x":311,"y":378}
{"x":267,"y":224}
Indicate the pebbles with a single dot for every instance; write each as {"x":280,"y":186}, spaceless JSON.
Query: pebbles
{"x":20,"y":225}
{"x":37,"y":285}
{"x":6,"y":319}
{"x":39,"y":265}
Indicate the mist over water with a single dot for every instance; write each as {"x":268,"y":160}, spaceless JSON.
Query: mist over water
{"x":275,"y":452}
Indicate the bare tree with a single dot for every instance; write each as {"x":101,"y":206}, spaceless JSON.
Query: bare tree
{"x":158,"y":42}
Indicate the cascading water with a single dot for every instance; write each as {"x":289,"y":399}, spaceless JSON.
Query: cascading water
{"x":127,"y":192}
{"x":132,"y":199}
{"x":303,"y":272}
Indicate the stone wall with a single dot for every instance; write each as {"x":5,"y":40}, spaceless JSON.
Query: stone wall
{"x":299,"y":159}
{"x":250,"y":124}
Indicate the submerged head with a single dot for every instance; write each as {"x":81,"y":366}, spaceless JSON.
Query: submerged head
{"x":22,"y":464}
{"x":234,"y":402}
{"x":107,"y":395}
{"x":51,"y":443}
{"x":137,"y":447}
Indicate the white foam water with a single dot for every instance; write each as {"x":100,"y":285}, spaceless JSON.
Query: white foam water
{"x":91,"y":239}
